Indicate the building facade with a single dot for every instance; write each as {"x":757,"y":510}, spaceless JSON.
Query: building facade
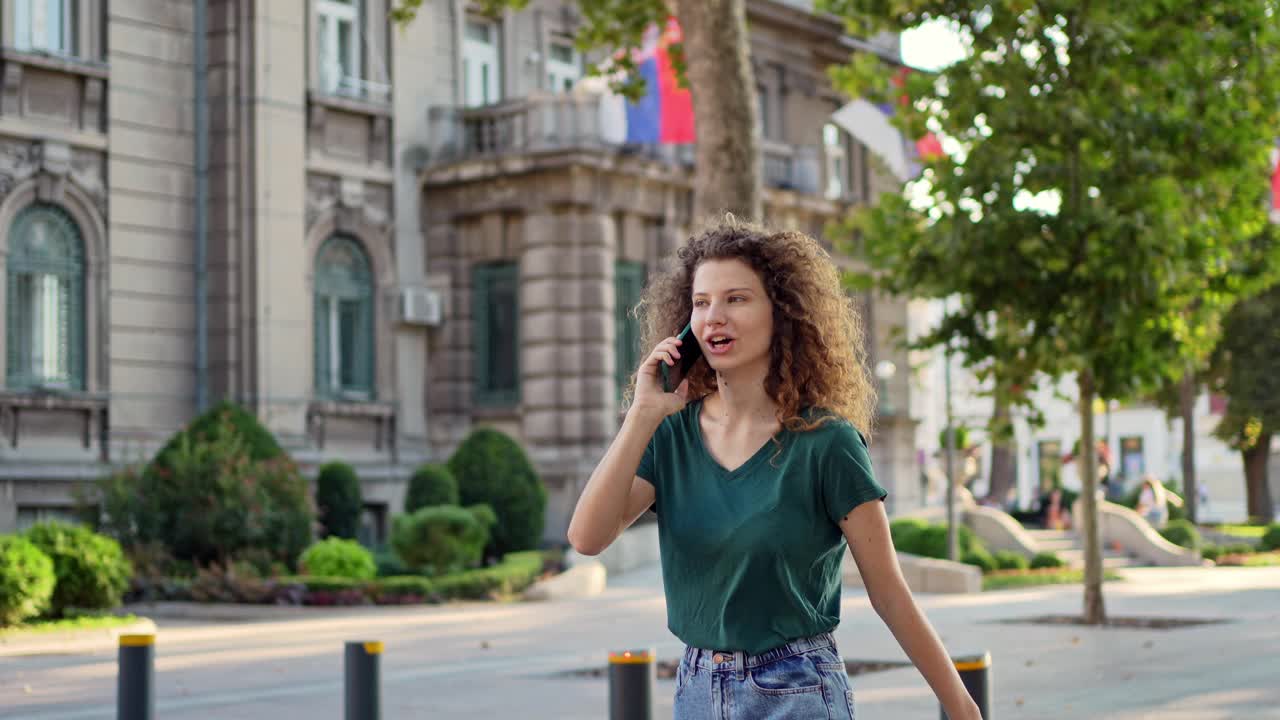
{"x":375,"y":238}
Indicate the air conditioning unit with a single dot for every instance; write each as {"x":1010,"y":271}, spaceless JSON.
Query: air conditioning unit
{"x":420,"y":306}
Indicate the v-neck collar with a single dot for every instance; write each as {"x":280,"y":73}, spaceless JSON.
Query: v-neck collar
{"x":756,"y":458}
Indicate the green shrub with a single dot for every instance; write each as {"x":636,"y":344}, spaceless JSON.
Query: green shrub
{"x":902,"y":527}
{"x":493,"y":470}
{"x":1239,"y":549}
{"x":336,"y":557}
{"x":979,"y":558}
{"x":441,"y":539}
{"x":516,"y":572}
{"x":1181,"y":532}
{"x":431,"y":485}
{"x":1046,"y":560}
{"x":92,"y":571}
{"x":215,"y":491}
{"x":26,"y":580}
{"x":1010,"y":560}
{"x":1270,"y":538}
{"x":389,"y":563}
{"x":931,"y":541}
{"x":1211,"y":552}
{"x":338,"y":500}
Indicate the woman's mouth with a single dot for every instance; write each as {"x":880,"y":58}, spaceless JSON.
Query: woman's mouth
{"x":719,"y":344}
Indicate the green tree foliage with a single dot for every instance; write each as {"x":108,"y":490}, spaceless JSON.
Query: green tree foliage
{"x":431,"y":485}
{"x":1143,"y":131}
{"x":218,"y":489}
{"x":1246,"y":368}
{"x":26,"y":580}
{"x":337,"y":557}
{"x":92,"y":571}
{"x":443,"y":538}
{"x":338,"y":500}
{"x":493,"y":470}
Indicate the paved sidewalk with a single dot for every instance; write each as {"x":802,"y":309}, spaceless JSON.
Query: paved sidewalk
{"x":483,"y":661}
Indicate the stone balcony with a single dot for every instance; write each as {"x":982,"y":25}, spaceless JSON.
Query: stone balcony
{"x":543,"y":122}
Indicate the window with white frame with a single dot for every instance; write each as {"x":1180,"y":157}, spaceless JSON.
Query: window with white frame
{"x":47,"y":25}
{"x":481,"y":64}
{"x":564,"y":65}
{"x":837,"y":159}
{"x":338,"y":46}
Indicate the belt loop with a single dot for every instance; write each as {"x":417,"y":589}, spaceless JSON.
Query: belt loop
{"x":740,"y":664}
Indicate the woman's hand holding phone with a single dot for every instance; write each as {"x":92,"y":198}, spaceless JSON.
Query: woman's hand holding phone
{"x":650,"y":396}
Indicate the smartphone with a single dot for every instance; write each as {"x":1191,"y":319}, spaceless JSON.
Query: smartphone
{"x":690,"y":353}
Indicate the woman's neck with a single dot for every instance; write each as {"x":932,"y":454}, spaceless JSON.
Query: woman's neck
{"x":740,"y":399}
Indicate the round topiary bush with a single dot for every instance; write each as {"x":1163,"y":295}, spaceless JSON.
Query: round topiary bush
{"x":92,"y":571}
{"x":26,"y":580}
{"x":338,"y":501}
{"x":442,"y":538}
{"x":431,"y":485}
{"x":902,"y":527}
{"x":1211,"y":552}
{"x":1181,"y":532}
{"x":1270,"y":538}
{"x":1046,"y":560}
{"x":979,"y":558}
{"x":336,"y":557}
{"x":493,"y":470}
{"x":1010,"y":560}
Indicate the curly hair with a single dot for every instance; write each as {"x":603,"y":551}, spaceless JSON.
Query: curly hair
{"x":818,"y":357}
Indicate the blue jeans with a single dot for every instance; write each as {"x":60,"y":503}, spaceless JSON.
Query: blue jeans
{"x":802,"y":680}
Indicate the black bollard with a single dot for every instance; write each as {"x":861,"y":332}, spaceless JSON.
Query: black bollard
{"x":363,"y":684}
{"x":631,"y":679}
{"x":975,"y":673}
{"x":135,"y":678}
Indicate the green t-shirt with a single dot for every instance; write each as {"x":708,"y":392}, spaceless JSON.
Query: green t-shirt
{"x":751,"y":559}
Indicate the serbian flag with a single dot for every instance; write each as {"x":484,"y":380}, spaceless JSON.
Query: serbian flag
{"x":665,"y":114}
{"x":1275,"y":183}
{"x":872,"y":125}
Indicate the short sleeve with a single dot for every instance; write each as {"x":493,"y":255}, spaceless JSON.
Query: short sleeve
{"x":646,"y":471}
{"x":847,"y":478}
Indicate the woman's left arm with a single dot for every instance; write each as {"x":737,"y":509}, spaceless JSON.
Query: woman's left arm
{"x":866,"y":527}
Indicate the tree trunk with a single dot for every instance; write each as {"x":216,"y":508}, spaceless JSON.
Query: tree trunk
{"x":1257,"y":487}
{"x":724,"y":105}
{"x":1187,"y":397}
{"x":1094,"y":611}
{"x":1002,"y":470}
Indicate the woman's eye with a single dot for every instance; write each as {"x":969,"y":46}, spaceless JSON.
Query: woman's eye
{"x":737,"y":298}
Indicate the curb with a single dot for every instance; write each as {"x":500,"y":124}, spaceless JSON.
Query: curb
{"x":65,"y":642}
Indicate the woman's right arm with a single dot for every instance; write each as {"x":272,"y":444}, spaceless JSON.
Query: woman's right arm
{"x":614,"y":496}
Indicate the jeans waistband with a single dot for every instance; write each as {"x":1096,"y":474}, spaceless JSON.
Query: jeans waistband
{"x":739,"y":660}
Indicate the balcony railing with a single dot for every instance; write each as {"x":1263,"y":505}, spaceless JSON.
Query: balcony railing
{"x":580,"y":121}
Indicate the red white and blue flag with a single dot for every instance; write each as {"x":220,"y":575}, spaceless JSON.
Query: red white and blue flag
{"x":1275,"y":183}
{"x":665,"y":114}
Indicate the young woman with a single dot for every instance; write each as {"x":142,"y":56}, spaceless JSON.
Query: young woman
{"x":759,"y":481}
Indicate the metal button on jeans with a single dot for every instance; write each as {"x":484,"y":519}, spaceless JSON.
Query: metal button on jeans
{"x":718,"y":658}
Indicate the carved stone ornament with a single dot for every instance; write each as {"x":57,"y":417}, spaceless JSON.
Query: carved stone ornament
{"x":53,"y":163}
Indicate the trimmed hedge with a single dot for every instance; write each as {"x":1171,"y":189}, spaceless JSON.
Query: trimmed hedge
{"x":26,"y":580}
{"x":338,"y":500}
{"x":92,"y":571}
{"x":931,"y":541}
{"x":902,"y":527}
{"x":1270,"y":538}
{"x":444,"y":538}
{"x":980,"y":558}
{"x":1181,"y":532}
{"x":1010,"y":560}
{"x":1046,"y":560}
{"x":515,"y":573}
{"x":336,"y":557}
{"x":429,"y":486}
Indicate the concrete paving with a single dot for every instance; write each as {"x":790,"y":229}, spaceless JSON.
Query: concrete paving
{"x":485,"y":660}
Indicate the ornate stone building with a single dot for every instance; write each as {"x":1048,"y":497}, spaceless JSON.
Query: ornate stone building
{"x":375,"y":238}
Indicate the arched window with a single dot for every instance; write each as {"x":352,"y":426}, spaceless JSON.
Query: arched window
{"x":344,"y":320}
{"x":44,"y":330}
